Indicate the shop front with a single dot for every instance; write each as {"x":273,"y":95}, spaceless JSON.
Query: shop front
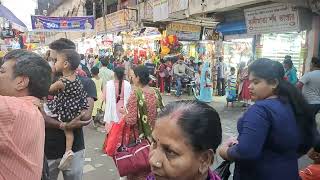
{"x":11,"y":31}
{"x":237,"y":45}
{"x":280,"y":30}
{"x":142,"y":45}
{"x":237,"y":50}
{"x":188,"y":35}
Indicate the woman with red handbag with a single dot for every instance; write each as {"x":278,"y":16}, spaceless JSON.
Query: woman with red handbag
{"x":115,"y":95}
{"x":184,"y":141}
{"x":142,"y":109}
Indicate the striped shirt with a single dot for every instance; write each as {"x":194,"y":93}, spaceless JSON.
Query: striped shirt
{"x":22,"y":134}
{"x":232,"y":82}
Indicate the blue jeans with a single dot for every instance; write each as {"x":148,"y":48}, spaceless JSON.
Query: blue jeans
{"x":74,"y":173}
{"x":178,"y":86}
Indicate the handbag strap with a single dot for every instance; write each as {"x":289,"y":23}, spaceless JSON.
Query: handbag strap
{"x":123,"y":134}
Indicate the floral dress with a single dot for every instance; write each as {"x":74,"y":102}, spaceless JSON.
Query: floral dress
{"x":69,"y":103}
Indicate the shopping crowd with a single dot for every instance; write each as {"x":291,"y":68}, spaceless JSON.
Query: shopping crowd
{"x":46,"y":102}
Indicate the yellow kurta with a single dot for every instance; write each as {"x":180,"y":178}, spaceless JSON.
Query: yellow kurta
{"x":97,"y":104}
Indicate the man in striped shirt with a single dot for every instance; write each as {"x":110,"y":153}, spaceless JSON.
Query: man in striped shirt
{"x":25,"y":78}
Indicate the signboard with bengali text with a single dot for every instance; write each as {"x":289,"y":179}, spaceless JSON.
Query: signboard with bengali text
{"x":184,"y":32}
{"x":274,"y":18}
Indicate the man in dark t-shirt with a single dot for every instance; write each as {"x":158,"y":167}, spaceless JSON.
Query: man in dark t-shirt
{"x":55,"y":142}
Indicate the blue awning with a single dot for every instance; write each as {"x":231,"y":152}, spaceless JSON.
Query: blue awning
{"x":230,"y":28}
{"x":7,"y":14}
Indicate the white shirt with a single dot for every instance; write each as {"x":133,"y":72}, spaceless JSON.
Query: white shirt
{"x":311,"y":87}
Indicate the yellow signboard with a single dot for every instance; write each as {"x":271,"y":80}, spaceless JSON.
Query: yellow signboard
{"x":99,"y":25}
{"x":117,"y":21}
{"x":184,"y":27}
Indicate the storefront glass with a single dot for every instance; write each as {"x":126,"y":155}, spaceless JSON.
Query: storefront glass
{"x":277,"y":46}
{"x":237,"y":51}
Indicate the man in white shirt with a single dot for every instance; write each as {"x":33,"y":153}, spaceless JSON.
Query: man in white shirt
{"x":180,"y":71}
{"x":221,"y":69}
{"x":310,"y":85}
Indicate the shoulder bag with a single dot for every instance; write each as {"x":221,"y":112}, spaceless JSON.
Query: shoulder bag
{"x":134,"y":158}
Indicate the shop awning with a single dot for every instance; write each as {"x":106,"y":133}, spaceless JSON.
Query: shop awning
{"x":7,"y":14}
{"x":230,"y":28}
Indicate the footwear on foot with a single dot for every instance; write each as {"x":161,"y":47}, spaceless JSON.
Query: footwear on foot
{"x":66,"y":160}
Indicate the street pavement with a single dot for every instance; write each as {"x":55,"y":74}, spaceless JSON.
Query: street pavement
{"x":98,"y":166}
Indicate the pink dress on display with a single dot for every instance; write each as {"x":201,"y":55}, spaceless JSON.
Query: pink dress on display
{"x":245,"y":92}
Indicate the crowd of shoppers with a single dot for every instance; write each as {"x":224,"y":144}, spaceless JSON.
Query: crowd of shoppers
{"x":183,"y":136}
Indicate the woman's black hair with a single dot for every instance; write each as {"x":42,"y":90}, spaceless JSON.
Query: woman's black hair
{"x":317,"y":145}
{"x":199,"y":121}
{"x":119,"y":72}
{"x":95,"y":71}
{"x":315,"y":62}
{"x":272,"y":71}
{"x":288,"y":62}
{"x":143,"y":73}
{"x":104,"y":61}
{"x":82,"y":57}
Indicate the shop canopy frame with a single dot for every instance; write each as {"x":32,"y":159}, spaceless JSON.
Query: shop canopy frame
{"x":8,"y":15}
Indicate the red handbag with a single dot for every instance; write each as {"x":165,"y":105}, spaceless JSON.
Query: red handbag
{"x":113,"y":140}
{"x":134,"y":158}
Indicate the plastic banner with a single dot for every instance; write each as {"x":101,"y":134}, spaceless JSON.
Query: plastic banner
{"x":62,"y":24}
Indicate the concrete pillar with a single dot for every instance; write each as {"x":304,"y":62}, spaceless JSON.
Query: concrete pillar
{"x":119,"y":4}
{"x":312,"y":42}
{"x":94,"y":9}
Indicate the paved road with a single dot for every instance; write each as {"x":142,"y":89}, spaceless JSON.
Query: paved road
{"x":100,"y":167}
